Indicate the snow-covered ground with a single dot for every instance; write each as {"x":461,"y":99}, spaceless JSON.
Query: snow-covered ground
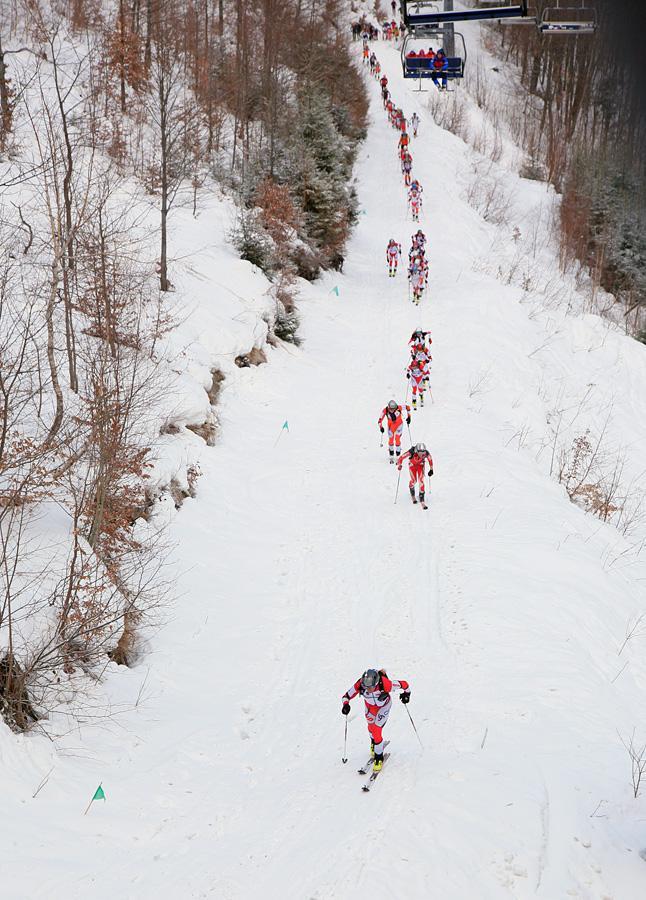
{"x":504,"y":605}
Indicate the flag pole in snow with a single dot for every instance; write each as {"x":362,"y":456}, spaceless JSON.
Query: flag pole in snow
{"x":99,"y":794}
{"x":280,"y":434}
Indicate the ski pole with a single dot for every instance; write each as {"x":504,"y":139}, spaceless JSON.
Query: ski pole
{"x":398,"y":477}
{"x":413,"y":724}
{"x":344,"y":758}
{"x":381,"y":439}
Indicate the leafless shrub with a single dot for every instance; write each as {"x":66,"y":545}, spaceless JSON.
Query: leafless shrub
{"x":489,"y":194}
{"x":637,"y":754}
{"x":449,"y":112}
{"x":479,"y":85}
{"x":479,"y":384}
{"x":635,"y":628}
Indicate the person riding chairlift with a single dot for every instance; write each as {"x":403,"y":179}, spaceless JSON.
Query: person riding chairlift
{"x":440,"y":67}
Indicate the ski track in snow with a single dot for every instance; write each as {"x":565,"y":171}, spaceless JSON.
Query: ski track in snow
{"x":298,"y":571}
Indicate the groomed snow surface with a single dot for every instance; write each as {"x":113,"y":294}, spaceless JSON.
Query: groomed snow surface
{"x":504,"y":605}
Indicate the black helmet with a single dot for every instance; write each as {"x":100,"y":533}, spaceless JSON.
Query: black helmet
{"x":370,"y":679}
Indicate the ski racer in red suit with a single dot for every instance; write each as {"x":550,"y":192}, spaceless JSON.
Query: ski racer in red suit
{"x":375,"y":687}
{"x":417,"y":456}
{"x":395,"y":415}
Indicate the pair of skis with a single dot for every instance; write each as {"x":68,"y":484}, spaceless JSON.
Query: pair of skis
{"x":373,"y":775}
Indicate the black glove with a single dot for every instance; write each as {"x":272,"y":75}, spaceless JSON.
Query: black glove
{"x":430,"y":472}
{"x":408,"y":420}
{"x":345,"y":709}
{"x":404,"y":696}
{"x":381,"y":428}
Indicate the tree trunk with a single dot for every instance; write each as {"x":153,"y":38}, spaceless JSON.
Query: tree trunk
{"x":5,"y":106}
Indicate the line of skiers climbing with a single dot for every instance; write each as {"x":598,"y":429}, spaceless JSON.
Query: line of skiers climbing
{"x":374,"y":686}
{"x":397,"y":119}
{"x":417,"y":263}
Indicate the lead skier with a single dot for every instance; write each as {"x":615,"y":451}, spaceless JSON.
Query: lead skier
{"x":417,"y":456}
{"x":375,"y":687}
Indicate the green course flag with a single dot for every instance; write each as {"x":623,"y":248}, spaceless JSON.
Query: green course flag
{"x":99,"y":794}
{"x":335,"y":290}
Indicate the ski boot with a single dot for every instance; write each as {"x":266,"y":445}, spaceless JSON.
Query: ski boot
{"x":372,"y":749}
{"x":414,"y":402}
{"x":412,"y":494}
{"x":378,"y":763}
{"x":392,"y":457}
{"x":421,"y":399}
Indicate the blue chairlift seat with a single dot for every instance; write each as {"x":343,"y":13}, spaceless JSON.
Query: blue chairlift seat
{"x":422,"y":67}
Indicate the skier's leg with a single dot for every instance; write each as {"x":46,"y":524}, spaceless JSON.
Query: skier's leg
{"x":377,"y":738}
{"x":377,"y":728}
{"x":398,"y":440}
{"x":391,"y":440}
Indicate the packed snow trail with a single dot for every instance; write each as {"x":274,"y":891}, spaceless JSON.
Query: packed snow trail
{"x":297,"y":571}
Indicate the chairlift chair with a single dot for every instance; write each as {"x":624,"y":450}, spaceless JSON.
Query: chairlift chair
{"x":421,"y":67}
{"x":568,"y":20}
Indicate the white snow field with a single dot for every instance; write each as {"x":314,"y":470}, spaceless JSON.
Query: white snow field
{"x":504,"y":605}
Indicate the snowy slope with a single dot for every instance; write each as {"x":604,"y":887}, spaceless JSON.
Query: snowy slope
{"x":504,"y":605}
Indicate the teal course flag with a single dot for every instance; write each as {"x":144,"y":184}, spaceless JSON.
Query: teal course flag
{"x":335,"y":290}
{"x":99,"y":794}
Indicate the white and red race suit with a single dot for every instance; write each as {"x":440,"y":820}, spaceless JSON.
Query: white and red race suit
{"x":395,"y":425}
{"x":420,"y":353}
{"x":415,"y":202}
{"x":418,"y":372}
{"x":393,"y":254}
{"x":378,"y":703}
{"x":416,"y":468}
